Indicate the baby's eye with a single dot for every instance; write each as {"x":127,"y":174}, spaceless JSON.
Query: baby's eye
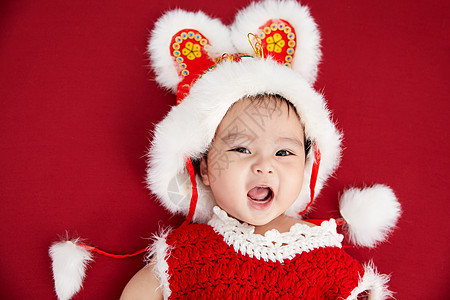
{"x":241,"y":150}
{"x":283,"y":153}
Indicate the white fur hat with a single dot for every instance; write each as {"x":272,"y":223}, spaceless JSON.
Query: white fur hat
{"x":207,"y":93}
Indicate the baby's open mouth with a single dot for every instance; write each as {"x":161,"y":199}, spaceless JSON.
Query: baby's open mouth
{"x":260,"y":193}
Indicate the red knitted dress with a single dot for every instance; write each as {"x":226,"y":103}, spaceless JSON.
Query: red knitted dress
{"x":225,"y":260}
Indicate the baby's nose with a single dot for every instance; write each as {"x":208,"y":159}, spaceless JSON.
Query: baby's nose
{"x":263,"y":166}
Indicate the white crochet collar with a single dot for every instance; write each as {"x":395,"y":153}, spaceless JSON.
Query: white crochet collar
{"x":273,"y":245}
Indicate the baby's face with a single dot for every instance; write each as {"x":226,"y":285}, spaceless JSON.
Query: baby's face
{"x":256,"y":160}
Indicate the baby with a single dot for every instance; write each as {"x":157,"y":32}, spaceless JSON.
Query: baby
{"x":243,"y":155}
{"x":254,"y":168}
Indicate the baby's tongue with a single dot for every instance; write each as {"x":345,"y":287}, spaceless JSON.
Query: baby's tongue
{"x":258,"y":193}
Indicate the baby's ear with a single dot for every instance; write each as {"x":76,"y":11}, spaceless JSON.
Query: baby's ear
{"x":204,"y":171}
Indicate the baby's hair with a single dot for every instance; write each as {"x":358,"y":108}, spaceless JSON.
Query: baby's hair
{"x":280,"y":99}
{"x":260,"y":98}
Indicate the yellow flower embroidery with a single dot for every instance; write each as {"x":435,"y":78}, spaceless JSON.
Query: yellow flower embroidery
{"x":275,"y":43}
{"x":191,"y":51}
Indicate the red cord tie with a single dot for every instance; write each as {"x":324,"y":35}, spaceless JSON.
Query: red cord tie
{"x":104,"y":253}
{"x":314,"y":175}
{"x":194,"y":196}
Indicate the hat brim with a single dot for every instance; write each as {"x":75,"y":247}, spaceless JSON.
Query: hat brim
{"x":188,"y":129}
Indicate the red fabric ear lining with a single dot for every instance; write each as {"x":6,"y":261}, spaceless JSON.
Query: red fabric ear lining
{"x":188,"y":50}
{"x":278,"y":39}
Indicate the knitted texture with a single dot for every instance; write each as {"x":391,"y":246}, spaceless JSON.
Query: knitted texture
{"x":273,"y":245}
{"x":203,"y":266}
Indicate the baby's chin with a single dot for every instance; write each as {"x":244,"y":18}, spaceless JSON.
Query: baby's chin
{"x":258,"y":221}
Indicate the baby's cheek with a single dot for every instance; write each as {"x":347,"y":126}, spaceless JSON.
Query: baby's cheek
{"x":294,"y":179}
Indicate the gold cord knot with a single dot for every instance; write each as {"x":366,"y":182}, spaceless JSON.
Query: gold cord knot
{"x":256,"y":45}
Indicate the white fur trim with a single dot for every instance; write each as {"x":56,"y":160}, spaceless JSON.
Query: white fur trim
{"x":371,"y":213}
{"x":374,"y":282}
{"x":158,"y":254}
{"x":189,"y":128}
{"x":167,"y":26}
{"x":307,"y":54}
{"x":69,"y":263}
{"x":273,"y":245}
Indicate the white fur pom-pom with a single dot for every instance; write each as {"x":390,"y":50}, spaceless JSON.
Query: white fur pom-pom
{"x":371,"y":213}
{"x":69,"y":263}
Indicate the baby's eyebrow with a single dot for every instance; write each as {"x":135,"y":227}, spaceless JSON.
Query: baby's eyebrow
{"x":232,"y":137}
{"x":292,"y":140}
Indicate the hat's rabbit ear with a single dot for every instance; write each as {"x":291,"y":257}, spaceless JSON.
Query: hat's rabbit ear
{"x":182,"y":43}
{"x":287,"y":32}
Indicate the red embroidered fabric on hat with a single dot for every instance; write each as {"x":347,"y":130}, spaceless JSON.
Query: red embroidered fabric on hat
{"x":188,"y":49}
{"x":203,"y":266}
{"x":279,"y":40}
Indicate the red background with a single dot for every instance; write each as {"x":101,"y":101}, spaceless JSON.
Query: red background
{"x":78,"y":100}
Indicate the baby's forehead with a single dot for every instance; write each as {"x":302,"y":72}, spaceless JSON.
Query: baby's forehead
{"x":261,"y":107}
{"x":259,"y":112}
